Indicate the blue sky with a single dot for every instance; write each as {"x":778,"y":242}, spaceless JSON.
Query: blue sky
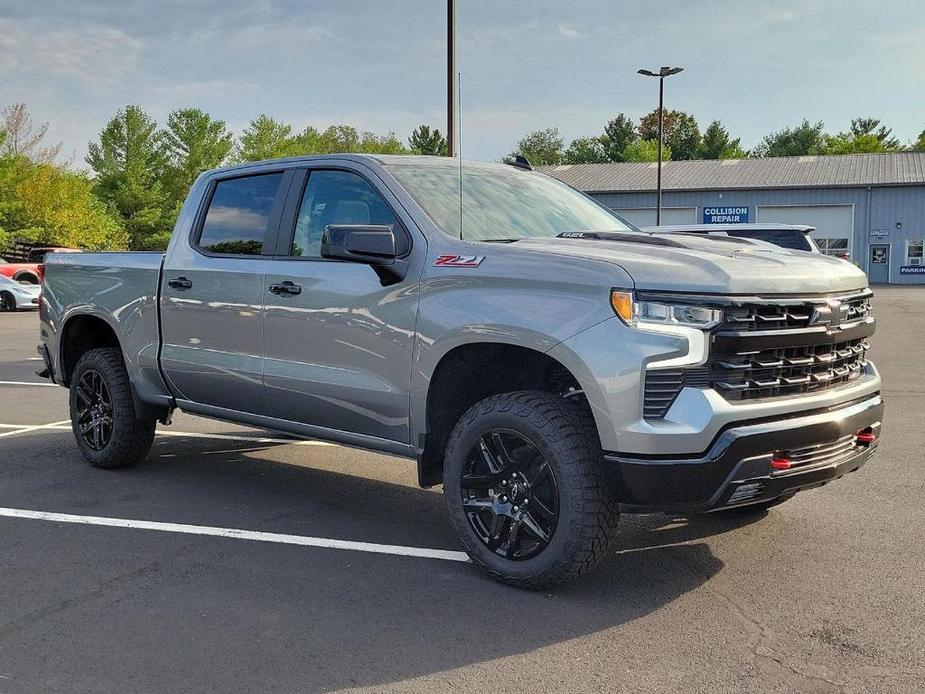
{"x":526,"y":64}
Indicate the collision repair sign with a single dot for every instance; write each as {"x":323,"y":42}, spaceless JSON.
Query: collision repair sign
{"x":725,"y":215}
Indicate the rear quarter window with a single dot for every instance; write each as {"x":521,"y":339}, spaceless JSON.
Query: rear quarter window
{"x":238,"y":215}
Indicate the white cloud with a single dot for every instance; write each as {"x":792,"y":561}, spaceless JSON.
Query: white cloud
{"x":94,"y":54}
{"x":570,"y":31}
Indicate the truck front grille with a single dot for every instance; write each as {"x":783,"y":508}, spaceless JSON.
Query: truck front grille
{"x":755,"y":316}
{"x":788,"y":370}
{"x":774,"y":348}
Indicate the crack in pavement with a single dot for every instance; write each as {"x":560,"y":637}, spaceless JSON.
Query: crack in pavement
{"x":792,"y":669}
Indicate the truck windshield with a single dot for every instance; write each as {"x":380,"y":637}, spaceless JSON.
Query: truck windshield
{"x":499,"y":202}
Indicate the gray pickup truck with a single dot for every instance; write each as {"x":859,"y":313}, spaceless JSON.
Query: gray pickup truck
{"x":547,"y":363}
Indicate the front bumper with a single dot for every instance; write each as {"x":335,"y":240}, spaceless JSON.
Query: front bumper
{"x":737,"y":470}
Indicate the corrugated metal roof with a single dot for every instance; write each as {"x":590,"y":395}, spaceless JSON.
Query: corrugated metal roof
{"x":901,"y":168}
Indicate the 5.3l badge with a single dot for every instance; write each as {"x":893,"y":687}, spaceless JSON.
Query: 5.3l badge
{"x":459,"y":260}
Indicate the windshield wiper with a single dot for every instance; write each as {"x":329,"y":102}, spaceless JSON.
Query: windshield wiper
{"x":499,"y":240}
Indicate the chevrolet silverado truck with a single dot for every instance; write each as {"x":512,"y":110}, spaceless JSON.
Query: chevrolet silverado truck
{"x":546,"y":362}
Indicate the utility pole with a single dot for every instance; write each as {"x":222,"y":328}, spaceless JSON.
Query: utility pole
{"x":661,"y":74}
{"x":451,"y":78}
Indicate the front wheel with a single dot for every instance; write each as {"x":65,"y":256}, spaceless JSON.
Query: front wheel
{"x":7,"y":302}
{"x":103,"y":412}
{"x":525,"y":490}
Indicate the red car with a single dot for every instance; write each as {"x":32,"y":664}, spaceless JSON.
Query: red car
{"x":32,"y":269}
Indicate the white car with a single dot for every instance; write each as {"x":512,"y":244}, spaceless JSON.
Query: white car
{"x":15,"y":296}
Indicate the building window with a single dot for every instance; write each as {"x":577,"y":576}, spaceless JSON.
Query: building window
{"x":833,"y":246}
{"x":914,"y":252}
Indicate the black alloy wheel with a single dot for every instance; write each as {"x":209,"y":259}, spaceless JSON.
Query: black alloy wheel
{"x":510,"y":495}
{"x":94,"y":410}
{"x":7,"y":302}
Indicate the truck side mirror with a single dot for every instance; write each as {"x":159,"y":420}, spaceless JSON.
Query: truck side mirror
{"x":371,"y":244}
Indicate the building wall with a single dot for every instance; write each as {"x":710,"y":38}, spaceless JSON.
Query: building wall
{"x":879,"y":209}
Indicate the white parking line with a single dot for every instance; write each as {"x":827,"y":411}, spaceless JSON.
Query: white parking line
{"x":66,"y":426}
{"x":24,"y":428}
{"x":28,"y":383}
{"x":234,"y":533}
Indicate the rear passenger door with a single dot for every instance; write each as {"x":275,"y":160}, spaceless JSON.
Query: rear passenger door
{"x":213,"y":295}
{"x":339,"y":345}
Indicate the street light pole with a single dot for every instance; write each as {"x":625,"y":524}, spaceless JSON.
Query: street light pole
{"x":661,"y":74}
{"x":451,"y":78}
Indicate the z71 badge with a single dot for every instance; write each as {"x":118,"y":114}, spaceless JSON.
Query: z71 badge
{"x":459,"y":261}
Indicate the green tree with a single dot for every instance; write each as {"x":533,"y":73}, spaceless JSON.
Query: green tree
{"x":346,"y":138}
{"x":264,"y":138}
{"x":681,"y":132}
{"x":129,"y":162}
{"x":717,"y":144}
{"x":541,"y":147}
{"x":873,"y":126}
{"x":919,"y":145}
{"x":423,"y":140}
{"x":585,"y":150}
{"x":645,"y":150}
{"x":8,"y":170}
{"x":806,"y":138}
{"x":58,"y":208}
{"x":194,"y":143}
{"x":848,"y":143}
{"x":618,"y":133}
{"x":866,"y":135}
{"x":309,"y":141}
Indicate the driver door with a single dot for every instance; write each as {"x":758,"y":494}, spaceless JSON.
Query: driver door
{"x":338,"y":339}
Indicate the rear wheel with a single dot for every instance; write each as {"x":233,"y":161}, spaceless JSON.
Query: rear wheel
{"x":27,"y":278}
{"x":7,"y":302}
{"x":525,"y":491}
{"x":103,"y":412}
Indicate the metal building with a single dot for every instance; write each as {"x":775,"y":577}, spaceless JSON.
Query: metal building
{"x":871,"y":206}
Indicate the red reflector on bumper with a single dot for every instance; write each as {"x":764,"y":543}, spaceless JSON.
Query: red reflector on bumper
{"x":866,"y":437}
{"x":780,"y":464}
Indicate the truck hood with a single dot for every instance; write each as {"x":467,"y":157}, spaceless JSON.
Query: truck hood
{"x":722,"y":265}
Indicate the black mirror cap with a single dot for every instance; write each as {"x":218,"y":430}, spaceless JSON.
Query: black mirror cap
{"x":376,"y":245}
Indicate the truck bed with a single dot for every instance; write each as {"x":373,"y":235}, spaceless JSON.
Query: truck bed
{"x":119,"y":288}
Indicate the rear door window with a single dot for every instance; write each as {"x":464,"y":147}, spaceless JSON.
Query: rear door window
{"x":239,"y":214}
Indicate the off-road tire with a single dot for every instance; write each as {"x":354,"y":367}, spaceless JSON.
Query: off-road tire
{"x":564,"y":433}
{"x":131,"y":437}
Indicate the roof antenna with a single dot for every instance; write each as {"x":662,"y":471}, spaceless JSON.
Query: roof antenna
{"x":459,"y":149}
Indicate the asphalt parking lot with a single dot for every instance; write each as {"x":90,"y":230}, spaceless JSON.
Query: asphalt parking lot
{"x":825,"y":593}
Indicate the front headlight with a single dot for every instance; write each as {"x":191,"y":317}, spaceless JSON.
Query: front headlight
{"x":649,"y":314}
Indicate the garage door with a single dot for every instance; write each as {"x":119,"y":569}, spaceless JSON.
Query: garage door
{"x":834,"y":223}
{"x":645,"y":216}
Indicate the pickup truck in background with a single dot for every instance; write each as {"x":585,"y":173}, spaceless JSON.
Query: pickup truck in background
{"x":793,"y":236}
{"x":547,"y":363}
{"x":30,"y":268}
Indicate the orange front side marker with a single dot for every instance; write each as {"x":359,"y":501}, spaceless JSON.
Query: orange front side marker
{"x":622,"y":303}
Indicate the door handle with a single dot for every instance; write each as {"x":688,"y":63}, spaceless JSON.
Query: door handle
{"x":180,"y":283}
{"x":286,"y":288}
